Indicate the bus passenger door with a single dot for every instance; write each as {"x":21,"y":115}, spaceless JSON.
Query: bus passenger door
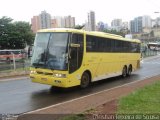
{"x":76,"y":52}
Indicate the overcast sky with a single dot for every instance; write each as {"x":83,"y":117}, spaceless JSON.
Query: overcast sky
{"x":105,"y":10}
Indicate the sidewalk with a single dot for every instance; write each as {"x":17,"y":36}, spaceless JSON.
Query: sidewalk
{"x":14,"y":74}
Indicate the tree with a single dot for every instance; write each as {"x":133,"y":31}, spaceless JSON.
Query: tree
{"x":5,"y":25}
{"x":22,"y":35}
{"x":5,"y":20}
{"x":79,"y":26}
{"x":114,"y":32}
{"x":15,"y":35}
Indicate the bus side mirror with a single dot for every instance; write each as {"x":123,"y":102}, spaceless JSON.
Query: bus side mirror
{"x":75,"y":45}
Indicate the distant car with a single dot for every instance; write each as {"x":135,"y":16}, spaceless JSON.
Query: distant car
{"x":154,"y":46}
{"x":9,"y":55}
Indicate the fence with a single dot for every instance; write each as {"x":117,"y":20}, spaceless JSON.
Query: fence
{"x":149,"y":52}
{"x":14,"y":67}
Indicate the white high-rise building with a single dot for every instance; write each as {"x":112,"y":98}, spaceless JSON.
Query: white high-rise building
{"x":60,"y":21}
{"x":45,"y":20}
{"x":139,"y":23}
{"x":116,"y":24}
{"x":69,"y":22}
{"x":63,"y":22}
{"x":91,"y":21}
{"x":146,"y":21}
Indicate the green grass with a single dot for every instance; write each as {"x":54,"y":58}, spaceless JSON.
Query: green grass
{"x":143,"y":101}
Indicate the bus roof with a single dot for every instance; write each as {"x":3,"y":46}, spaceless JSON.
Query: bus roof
{"x":94,"y":33}
{"x":61,"y":30}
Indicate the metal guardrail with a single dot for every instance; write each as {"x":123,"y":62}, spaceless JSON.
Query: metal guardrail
{"x":149,"y":52}
{"x":6,"y":67}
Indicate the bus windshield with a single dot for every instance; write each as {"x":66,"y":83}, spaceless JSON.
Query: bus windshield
{"x":50,"y":51}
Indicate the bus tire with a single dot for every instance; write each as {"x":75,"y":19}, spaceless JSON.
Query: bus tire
{"x":124,"y":71}
{"x":85,"y":80}
{"x":129,"y":70}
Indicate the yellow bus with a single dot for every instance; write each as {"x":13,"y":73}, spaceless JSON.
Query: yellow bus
{"x":69,"y":57}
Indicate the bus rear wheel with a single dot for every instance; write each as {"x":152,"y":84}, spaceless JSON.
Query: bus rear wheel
{"x":85,"y":80}
{"x":124,"y":71}
{"x":129,"y":70}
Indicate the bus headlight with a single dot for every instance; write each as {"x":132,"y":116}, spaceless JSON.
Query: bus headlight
{"x":58,"y":75}
{"x":33,"y":72}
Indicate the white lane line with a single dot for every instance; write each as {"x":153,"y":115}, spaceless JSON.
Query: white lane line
{"x":13,"y":79}
{"x":151,"y":62}
{"x":87,"y":95}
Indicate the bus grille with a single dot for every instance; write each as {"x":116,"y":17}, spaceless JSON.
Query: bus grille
{"x":44,"y":73}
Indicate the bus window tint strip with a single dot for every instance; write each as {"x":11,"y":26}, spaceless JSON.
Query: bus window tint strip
{"x":99,"y":44}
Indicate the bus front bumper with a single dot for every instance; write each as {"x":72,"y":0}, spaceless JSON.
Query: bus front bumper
{"x":49,"y":80}
{"x":54,"y":81}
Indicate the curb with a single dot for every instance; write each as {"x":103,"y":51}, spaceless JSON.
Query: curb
{"x":4,"y":76}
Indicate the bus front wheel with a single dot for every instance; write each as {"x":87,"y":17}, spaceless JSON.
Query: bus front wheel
{"x":85,"y":80}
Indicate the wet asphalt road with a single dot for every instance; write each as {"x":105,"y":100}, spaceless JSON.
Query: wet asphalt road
{"x":21,"y":96}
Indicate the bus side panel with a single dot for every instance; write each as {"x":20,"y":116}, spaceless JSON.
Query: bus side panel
{"x":105,"y":65}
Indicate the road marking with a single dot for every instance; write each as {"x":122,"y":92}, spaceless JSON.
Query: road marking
{"x":13,"y":79}
{"x":144,"y":78}
{"x":151,"y":62}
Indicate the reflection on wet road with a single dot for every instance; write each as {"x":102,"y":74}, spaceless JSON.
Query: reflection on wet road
{"x":20,"y":96}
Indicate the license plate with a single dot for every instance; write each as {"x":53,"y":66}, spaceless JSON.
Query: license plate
{"x":44,"y":79}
